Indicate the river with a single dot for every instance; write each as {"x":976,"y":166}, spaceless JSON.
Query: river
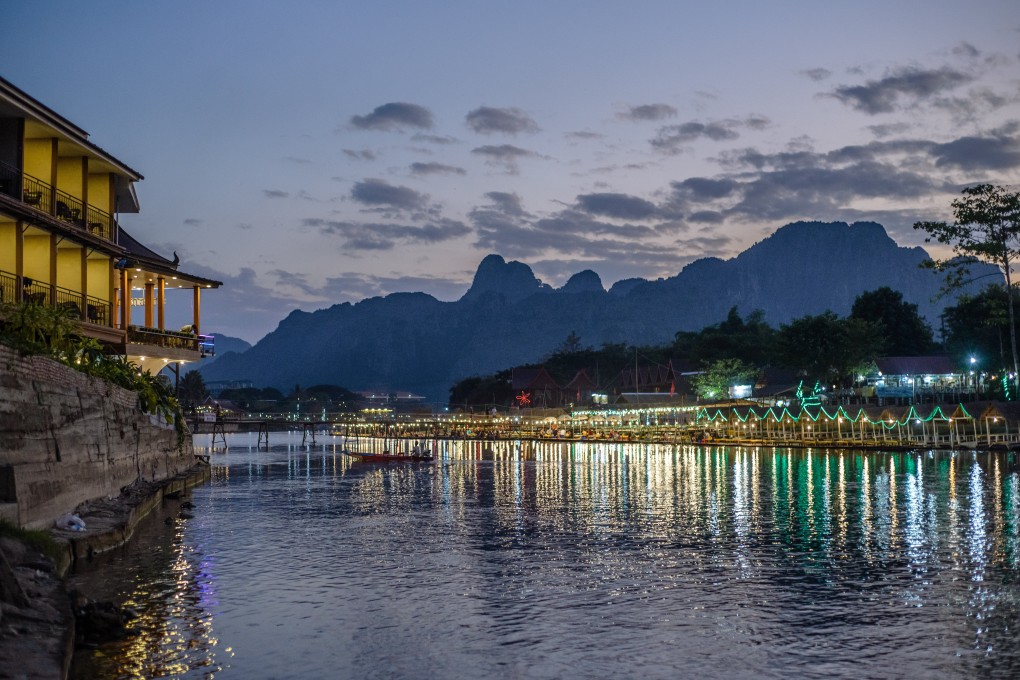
{"x":574,"y":560}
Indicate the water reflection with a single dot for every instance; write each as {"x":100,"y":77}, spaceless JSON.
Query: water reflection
{"x":594,"y":557}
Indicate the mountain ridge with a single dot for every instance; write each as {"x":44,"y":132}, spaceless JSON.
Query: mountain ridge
{"x":508,"y":316}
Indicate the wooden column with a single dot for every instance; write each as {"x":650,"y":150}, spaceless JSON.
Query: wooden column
{"x":19,"y":259}
{"x":197,"y":308}
{"x":54,"y":160}
{"x":125,"y":300}
{"x":54,"y":240}
{"x":160,"y":301}
{"x":84,"y":283}
{"x":148,"y":304}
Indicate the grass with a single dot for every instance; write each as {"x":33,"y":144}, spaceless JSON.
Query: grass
{"x":38,"y":539}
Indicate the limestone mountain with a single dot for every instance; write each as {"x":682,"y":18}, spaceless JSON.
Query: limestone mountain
{"x":413,"y":341}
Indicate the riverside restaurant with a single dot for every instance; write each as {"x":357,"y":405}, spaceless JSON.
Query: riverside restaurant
{"x":976,"y":425}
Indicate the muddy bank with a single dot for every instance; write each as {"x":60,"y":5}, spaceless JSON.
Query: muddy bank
{"x":37,"y":624}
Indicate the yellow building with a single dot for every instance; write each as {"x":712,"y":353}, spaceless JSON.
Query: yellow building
{"x":61,"y":244}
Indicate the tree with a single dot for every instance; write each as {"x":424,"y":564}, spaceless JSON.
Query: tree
{"x":750,"y":340}
{"x":976,"y":326}
{"x":828,"y":347}
{"x":719,"y":376}
{"x":987,"y":229}
{"x":904,"y":331}
{"x":192,"y":389}
{"x":571,"y":344}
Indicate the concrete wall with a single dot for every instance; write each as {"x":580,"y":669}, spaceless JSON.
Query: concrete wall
{"x":66,"y":438}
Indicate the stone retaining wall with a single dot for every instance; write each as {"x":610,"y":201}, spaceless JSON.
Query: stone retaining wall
{"x":66,"y":438}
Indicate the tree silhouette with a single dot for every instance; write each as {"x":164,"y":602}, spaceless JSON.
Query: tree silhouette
{"x":987,"y":229}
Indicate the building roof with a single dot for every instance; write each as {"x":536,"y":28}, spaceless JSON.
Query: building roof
{"x":581,"y":381}
{"x":18,"y":104}
{"x":533,"y":379}
{"x":152,"y":261}
{"x":930,"y":365}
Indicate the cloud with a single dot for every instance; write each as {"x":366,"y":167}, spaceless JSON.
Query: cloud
{"x":803,"y":184}
{"x":242,"y":307}
{"x":979,"y":153}
{"x":670,"y":138}
{"x":436,"y":169}
{"x":706,"y":217}
{"x":644,"y":112}
{"x":504,"y":155}
{"x":817,"y":74}
{"x":354,"y":287}
{"x":275,"y":193}
{"x":619,"y":206}
{"x":507,"y":203}
{"x":434,"y":139}
{"x":394,"y":116}
{"x":965,"y":49}
{"x":584,"y":135}
{"x":511,"y":121}
{"x":903,"y":88}
{"x":384,"y":236}
{"x":889,"y":129}
{"x":362,"y":155}
{"x":377,"y":192}
{"x":705,"y":189}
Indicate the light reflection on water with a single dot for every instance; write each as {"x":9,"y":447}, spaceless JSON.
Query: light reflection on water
{"x":550,"y":560}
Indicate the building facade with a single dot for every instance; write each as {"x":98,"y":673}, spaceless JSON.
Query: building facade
{"x":61,"y":244}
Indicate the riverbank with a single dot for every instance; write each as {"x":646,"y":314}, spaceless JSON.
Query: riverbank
{"x":37,"y":624}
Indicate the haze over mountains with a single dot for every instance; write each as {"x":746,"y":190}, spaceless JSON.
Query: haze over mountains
{"x":411,"y":341}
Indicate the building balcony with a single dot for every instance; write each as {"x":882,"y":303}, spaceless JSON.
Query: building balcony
{"x":79,"y":306}
{"x":57,"y":204}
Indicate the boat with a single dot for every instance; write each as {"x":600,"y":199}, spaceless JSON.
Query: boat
{"x":387,"y":457}
{"x":420,"y":453}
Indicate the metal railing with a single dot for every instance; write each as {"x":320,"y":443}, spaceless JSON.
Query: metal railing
{"x":8,"y":287}
{"x":82,"y":307}
{"x":43,"y":197}
{"x":170,"y":339}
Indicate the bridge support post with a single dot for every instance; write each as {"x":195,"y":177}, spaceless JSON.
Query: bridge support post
{"x":218,"y":434}
{"x":307,"y":432}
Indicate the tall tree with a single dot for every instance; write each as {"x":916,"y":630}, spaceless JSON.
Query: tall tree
{"x":749,"y":340}
{"x":192,"y":389}
{"x":987,"y":229}
{"x":976,"y":325}
{"x":719,"y":376}
{"x":828,"y":347}
{"x":904,"y":331}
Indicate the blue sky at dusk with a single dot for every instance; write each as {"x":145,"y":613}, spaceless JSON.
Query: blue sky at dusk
{"x":310,"y":153}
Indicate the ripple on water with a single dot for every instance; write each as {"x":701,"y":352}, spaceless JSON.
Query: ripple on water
{"x":635,"y":562}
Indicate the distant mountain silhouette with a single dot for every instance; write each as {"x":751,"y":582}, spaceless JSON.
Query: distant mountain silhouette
{"x":225,"y":344}
{"x":413,"y":341}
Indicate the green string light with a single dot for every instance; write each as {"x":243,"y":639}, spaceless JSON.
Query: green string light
{"x":770,"y":413}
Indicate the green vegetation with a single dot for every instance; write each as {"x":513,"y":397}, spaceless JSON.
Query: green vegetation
{"x":37,"y":539}
{"x":987,"y":229}
{"x":825,"y":347}
{"x":41,"y":330}
{"x":719,"y":376}
{"x":192,"y":390}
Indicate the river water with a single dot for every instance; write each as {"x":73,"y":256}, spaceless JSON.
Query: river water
{"x":559,"y":560}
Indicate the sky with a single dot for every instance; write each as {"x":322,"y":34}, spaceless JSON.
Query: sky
{"x":313,"y":153}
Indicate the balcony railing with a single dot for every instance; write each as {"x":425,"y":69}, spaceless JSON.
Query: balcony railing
{"x":43,"y":197}
{"x":82,"y":307}
{"x":172,"y":339}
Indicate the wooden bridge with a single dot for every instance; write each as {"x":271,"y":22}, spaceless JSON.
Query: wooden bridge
{"x":221,"y":426}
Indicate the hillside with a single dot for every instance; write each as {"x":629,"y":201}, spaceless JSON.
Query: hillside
{"x":413,"y":341}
